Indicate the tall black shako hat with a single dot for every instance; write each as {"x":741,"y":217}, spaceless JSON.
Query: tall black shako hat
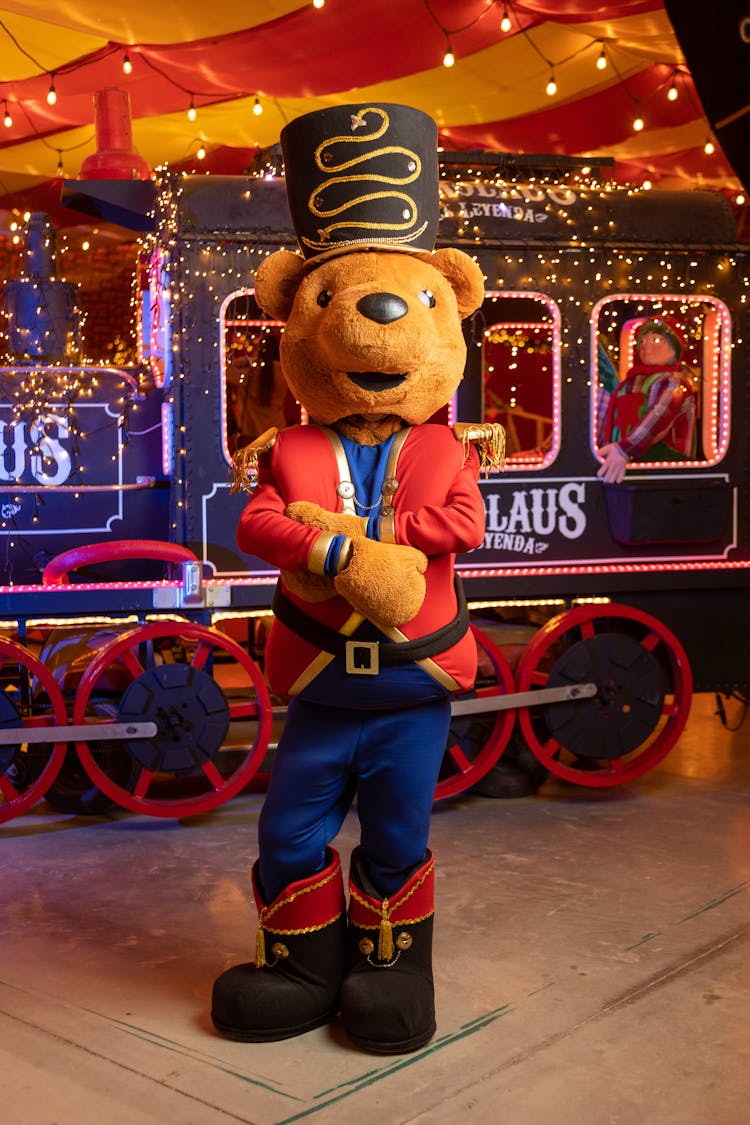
{"x":361,"y":177}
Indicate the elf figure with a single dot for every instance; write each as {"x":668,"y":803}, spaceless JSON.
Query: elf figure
{"x":651,"y":413}
{"x":363,"y":511}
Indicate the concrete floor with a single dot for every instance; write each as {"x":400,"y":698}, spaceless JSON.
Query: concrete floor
{"x":592,"y":963}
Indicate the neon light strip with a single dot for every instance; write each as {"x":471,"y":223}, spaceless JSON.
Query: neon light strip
{"x":520,"y":460}
{"x":721,"y":396}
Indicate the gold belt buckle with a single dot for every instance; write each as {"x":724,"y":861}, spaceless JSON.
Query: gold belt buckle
{"x":362,"y":658}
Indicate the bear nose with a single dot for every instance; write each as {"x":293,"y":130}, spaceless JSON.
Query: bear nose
{"x":382,"y":307}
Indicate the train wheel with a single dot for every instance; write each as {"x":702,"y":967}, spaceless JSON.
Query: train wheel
{"x":29,"y":698}
{"x":644,"y":690}
{"x":211,"y":708}
{"x":477,"y":740}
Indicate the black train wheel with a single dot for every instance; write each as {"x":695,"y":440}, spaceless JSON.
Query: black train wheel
{"x":644,"y":689}
{"x":211,"y":708}
{"x":30,"y":699}
{"x":476,"y":741}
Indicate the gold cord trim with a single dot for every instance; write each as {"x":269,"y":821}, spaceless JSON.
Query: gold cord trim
{"x":385,"y":926}
{"x":489,"y":438}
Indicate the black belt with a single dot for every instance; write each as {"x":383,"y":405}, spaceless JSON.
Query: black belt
{"x":365,"y":658}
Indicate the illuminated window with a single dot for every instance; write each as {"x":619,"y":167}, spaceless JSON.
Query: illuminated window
{"x":255,"y":395}
{"x":692,"y":396}
{"x":513,"y":374}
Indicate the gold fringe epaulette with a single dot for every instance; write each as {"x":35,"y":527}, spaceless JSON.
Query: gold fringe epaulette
{"x":243,"y":475}
{"x":488,"y":437}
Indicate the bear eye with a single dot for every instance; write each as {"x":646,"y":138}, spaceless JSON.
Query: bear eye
{"x":427,"y":298}
{"x":325,"y":297}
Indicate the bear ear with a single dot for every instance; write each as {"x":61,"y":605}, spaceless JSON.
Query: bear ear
{"x":277,"y":280}
{"x":464,"y":277}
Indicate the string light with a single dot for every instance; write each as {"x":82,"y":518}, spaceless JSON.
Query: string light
{"x":7,"y":119}
{"x":638,"y":123}
{"x":201,"y":153}
{"x":448,"y":58}
{"x":601,"y":62}
{"x":52,"y":92}
{"x":673,"y":93}
{"x":709,"y":147}
{"x":257,"y":107}
{"x":551,"y":85}
{"x":192,"y":112}
{"x":739,"y":199}
{"x":505,"y":24}
{"x":127,"y":66}
{"x":318,"y":4}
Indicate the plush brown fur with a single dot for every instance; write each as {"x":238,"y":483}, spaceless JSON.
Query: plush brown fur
{"x":408,"y":368}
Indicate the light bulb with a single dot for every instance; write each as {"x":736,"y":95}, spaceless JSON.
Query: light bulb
{"x":127,"y":66}
{"x":638,"y":124}
{"x":318,"y":3}
{"x":7,"y":119}
{"x":709,"y":147}
{"x":257,"y":108}
{"x":505,"y":24}
{"x":192,"y":112}
{"x":672,"y":92}
{"x":551,"y":85}
{"x":739,"y":200}
{"x":52,"y":92}
{"x":601,"y":62}
{"x":201,"y":153}
{"x":449,"y":58}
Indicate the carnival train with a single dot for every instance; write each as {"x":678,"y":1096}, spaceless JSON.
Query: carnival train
{"x":132,"y":628}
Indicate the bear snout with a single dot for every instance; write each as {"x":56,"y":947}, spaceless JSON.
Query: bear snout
{"x":383,"y":308}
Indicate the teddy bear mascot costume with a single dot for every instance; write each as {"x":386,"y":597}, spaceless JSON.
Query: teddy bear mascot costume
{"x":363,"y":511}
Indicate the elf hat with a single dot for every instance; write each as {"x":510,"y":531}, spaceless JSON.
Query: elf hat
{"x":665,"y":326}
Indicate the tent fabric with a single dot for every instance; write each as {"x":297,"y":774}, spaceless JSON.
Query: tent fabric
{"x":293,"y":57}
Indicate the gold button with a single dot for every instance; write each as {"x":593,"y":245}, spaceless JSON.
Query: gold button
{"x":279,"y":950}
{"x":404,"y":940}
{"x":366,"y":946}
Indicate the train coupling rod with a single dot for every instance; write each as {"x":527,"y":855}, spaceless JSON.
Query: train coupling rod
{"x":524,"y":699}
{"x":83,"y":732}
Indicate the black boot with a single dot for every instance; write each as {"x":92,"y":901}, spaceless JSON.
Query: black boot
{"x":294,"y":983}
{"x":388,"y":998}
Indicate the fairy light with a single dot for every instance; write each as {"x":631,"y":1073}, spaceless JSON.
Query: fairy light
{"x":709,"y":147}
{"x":601,"y":62}
{"x":505,"y":24}
{"x":257,"y":107}
{"x":52,"y":92}
{"x":448,"y":58}
{"x":673,"y":93}
{"x":551,"y":85}
{"x":201,"y":153}
{"x":318,"y":4}
{"x":638,"y":123}
{"x":127,"y":66}
{"x":192,"y":112}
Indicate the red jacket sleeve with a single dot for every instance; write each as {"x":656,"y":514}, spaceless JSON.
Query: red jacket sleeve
{"x":452,"y":527}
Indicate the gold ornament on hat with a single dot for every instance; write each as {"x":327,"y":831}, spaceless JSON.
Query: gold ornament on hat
{"x":324,"y":161}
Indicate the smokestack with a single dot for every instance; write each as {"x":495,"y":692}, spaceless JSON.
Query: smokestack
{"x":115,"y":158}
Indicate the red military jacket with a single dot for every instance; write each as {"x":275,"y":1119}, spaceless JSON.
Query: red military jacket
{"x":437,"y":507}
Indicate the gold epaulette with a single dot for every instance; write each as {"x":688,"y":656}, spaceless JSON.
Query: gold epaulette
{"x":243,"y":475}
{"x":488,"y":437}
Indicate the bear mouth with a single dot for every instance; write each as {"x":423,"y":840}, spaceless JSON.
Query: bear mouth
{"x":375,"y":380}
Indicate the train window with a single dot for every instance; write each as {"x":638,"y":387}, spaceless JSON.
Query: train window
{"x":255,"y":395}
{"x":679,"y":420}
{"x":513,"y":374}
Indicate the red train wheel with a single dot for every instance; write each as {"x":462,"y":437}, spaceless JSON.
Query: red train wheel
{"x":211,"y":708}
{"x":644,"y":691}
{"x":477,"y":740}
{"x":29,"y":698}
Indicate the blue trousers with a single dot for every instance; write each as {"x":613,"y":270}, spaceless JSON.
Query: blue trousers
{"x":388,"y":759}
